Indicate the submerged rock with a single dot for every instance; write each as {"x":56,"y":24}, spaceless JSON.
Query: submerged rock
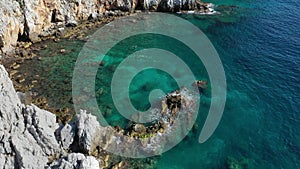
{"x":239,"y":164}
{"x":63,"y":51}
{"x":201,"y":85}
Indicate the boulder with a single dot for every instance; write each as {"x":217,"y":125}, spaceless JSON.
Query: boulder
{"x":140,"y":128}
{"x":89,"y":162}
{"x":26,"y":149}
{"x":66,"y":136}
{"x":76,"y":161}
{"x":87,"y":127}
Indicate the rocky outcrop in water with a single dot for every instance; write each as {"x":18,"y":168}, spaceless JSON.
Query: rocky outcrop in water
{"x":30,"y":20}
{"x":165,"y":130}
{"x":31,"y":138}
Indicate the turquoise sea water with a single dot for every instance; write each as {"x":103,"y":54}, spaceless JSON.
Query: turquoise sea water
{"x":259,"y":45}
{"x":260,"y":51}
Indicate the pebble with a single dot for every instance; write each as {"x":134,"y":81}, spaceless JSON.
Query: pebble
{"x":21,"y":80}
{"x":45,"y":46}
{"x":16,"y":66}
{"x":121,"y":164}
{"x":108,"y":112}
{"x":27,"y":45}
{"x":56,"y":40}
{"x":102,"y":63}
{"x":63,"y":51}
{"x":34,"y":81}
{"x":13,"y":72}
{"x":106,"y":158}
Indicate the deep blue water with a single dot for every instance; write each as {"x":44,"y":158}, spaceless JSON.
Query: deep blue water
{"x":259,"y":45}
{"x":260,"y":50}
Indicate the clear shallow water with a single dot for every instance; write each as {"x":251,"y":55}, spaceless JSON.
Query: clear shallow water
{"x":259,"y":45}
{"x":146,"y":81}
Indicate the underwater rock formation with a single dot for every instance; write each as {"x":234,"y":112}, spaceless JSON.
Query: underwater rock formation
{"x":201,"y":85}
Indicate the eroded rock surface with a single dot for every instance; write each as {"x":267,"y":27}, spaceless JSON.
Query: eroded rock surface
{"x":11,"y":24}
{"x":29,"y":20}
{"x":26,"y":132}
{"x":76,"y":160}
{"x":27,"y":135}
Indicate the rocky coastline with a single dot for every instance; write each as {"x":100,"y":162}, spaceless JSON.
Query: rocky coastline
{"x":33,"y":21}
{"x":31,"y":138}
{"x":25,"y":25}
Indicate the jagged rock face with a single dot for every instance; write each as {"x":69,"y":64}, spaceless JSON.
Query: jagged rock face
{"x":26,"y":132}
{"x":37,"y":18}
{"x":123,"y":5}
{"x":27,"y":135}
{"x":76,"y":160}
{"x":11,"y":23}
{"x":10,"y":107}
{"x":87,"y":126}
{"x":42,"y":15}
{"x":8,"y":120}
